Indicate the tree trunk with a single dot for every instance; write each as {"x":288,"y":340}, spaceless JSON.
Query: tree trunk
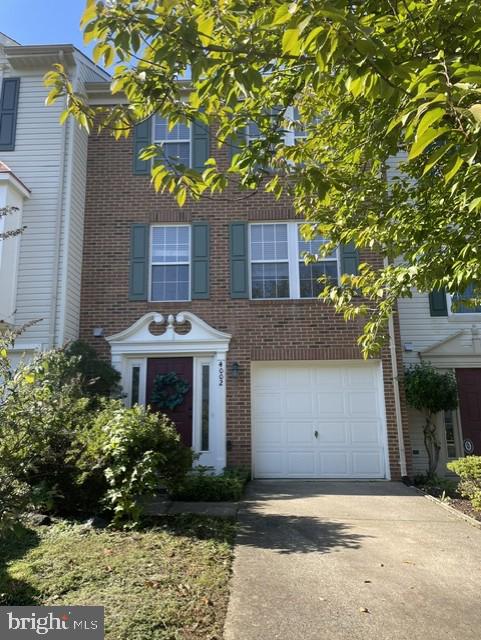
{"x":432,"y":445}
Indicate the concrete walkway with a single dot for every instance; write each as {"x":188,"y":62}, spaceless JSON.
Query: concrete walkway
{"x":345,"y":560}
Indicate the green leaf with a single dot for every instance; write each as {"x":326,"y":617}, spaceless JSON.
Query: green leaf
{"x":205,"y":26}
{"x":474,"y":204}
{"x":435,"y":157}
{"x":423,"y":141}
{"x":476,"y":111}
{"x":282,"y":15}
{"x":290,"y":41}
{"x":429,"y":119}
{"x":454,"y":167}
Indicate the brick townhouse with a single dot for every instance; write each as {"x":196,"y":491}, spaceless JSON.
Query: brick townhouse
{"x":210,"y":314}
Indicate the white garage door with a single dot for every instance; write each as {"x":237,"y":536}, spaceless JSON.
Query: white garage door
{"x":318,"y":420}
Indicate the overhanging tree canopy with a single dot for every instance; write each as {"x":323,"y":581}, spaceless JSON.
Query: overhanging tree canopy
{"x":370,"y":81}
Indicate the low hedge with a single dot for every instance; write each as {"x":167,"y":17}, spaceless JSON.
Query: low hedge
{"x":202,"y":486}
{"x":469,"y":470}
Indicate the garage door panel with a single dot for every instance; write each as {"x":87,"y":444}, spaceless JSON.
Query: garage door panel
{"x":271,"y":464}
{"x":362,"y":377}
{"x":298,"y":377}
{"x":328,"y":378}
{"x":363,"y":403}
{"x":270,"y":433}
{"x":334,"y":464}
{"x":330,"y":404}
{"x":367,"y":464}
{"x":299,"y":433}
{"x":365,"y":433}
{"x":342,"y":402}
{"x":268,"y":405}
{"x":333,"y":433}
{"x":301,"y":464}
{"x":298,"y":404}
{"x":270,"y":378}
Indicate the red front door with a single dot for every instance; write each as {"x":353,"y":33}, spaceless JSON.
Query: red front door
{"x":181,"y":415}
{"x":469,"y":392}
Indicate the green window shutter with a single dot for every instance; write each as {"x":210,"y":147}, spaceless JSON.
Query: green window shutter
{"x":236,"y":142}
{"x":8,"y":113}
{"x":142,"y":138}
{"x":200,"y":145}
{"x":239,"y":284}
{"x":139,"y":262}
{"x":200,"y":261}
{"x":438,"y":305}
{"x":349,"y":259}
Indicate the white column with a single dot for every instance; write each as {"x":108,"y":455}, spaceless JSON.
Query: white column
{"x":219,"y":399}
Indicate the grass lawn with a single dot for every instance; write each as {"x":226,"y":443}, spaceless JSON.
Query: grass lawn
{"x":168,"y":582}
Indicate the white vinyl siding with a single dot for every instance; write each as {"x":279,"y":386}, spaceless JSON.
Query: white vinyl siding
{"x":50,"y":159}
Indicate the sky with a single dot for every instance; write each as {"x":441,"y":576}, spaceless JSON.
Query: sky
{"x":43,"y":21}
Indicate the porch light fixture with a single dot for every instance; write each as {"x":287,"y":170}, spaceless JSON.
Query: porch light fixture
{"x":234,"y":370}
{"x":98,"y":332}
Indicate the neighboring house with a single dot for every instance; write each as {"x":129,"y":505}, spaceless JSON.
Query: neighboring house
{"x":447,"y":337}
{"x":42,"y":173}
{"x":431,"y":330}
{"x":217,"y":293}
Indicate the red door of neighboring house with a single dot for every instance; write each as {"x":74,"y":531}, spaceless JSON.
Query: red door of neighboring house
{"x":469,"y":392}
{"x":181,"y":415}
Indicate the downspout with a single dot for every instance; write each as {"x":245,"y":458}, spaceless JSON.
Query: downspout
{"x":397,"y":396}
{"x":62,"y":312}
{"x":57,"y":236}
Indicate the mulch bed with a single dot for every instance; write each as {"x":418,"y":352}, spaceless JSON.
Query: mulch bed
{"x":465,"y":507}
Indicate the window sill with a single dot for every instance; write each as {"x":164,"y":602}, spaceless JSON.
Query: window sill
{"x":464,"y":317}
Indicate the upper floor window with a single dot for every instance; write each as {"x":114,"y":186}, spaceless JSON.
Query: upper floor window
{"x":269,"y":261}
{"x":170,"y":263}
{"x":278,"y":269}
{"x":309,"y":274}
{"x":176,"y":142}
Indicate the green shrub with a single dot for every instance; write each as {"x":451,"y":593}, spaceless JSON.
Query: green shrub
{"x":469,"y":470}
{"x":40,"y":414}
{"x":97,"y":377}
{"x":436,"y":484}
{"x":202,"y":485}
{"x":127,"y":454}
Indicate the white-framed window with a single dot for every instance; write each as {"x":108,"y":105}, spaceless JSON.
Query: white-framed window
{"x":294,"y":133}
{"x":269,"y":260}
{"x":460,"y":308}
{"x":176,"y":143}
{"x":170,"y":263}
{"x":450,"y":434}
{"x":277,"y":266}
{"x":309,"y":274}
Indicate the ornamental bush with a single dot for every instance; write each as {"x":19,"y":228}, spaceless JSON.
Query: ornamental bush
{"x":67,"y":451}
{"x":430,"y":391}
{"x":129,"y":454}
{"x":469,"y":470}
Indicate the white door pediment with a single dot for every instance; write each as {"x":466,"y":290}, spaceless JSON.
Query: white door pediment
{"x":200,"y":338}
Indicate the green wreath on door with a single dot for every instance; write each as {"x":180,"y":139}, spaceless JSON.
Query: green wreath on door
{"x":169,"y":391}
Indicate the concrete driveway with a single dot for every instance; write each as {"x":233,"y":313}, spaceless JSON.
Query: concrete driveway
{"x":349,"y":560}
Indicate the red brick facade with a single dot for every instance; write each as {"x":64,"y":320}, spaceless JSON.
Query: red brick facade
{"x":261,"y":330}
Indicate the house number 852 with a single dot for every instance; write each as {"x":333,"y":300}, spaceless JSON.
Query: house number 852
{"x":221,"y":373}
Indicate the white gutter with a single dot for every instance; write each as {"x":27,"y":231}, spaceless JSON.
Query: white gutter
{"x":57,"y":235}
{"x":397,"y":396}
